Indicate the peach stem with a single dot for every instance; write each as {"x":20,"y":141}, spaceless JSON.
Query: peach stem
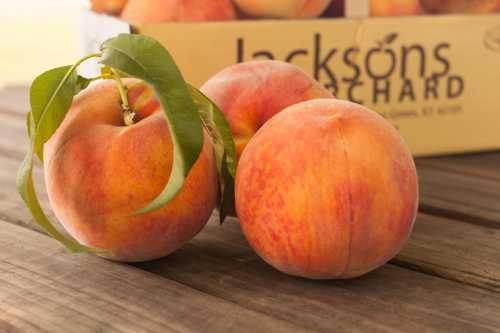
{"x":128,"y":114}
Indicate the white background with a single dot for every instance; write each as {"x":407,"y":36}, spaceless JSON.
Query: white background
{"x":36,"y":35}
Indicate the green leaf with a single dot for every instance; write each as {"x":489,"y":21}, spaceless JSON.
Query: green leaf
{"x":391,"y":38}
{"x":51,"y":95}
{"x":81,"y":84}
{"x":225,"y":150}
{"x":144,"y":58}
{"x":27,"y":191}
{"x":28,"y":124}
{"x":108,"y":71}
{"x":227,"y":204}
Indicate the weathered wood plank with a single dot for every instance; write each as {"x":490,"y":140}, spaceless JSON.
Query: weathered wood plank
{"x":43,"y":288}
{"x":12,"y":208}
{"x":465,"y":193}
{"x":220,"y":262}
{"x":454,"y":250}
{"x":208,"y":263}
{"x":13,"y":137}
{"x":14,"y":99}
{"x":434,"y":248}
{"x":484,"y":165}
{"x":447,"y":248}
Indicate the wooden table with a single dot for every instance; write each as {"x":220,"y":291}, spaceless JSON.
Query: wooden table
{"x":447,"y":279}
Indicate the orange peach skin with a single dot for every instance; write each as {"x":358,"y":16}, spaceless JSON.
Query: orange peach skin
{"x":460,"y":6}
{"x":113,"y":7}
{"x":251,"y":93}
{"x":326,"y":189}
{"x":283,"y":8}
{"x":395,"y":7}
{"x":98,"y":172}
{"x":158,"y":11}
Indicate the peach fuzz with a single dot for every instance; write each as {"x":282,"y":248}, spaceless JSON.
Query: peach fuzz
{"x":251,"y":93}
{"x":395,"y":7}
{"x":460,"y":6}
{"x":283,"y":8}
{"x":158,"y":11}
{"x":113,"y":7}
{"x":326,"y":189}
{"x":98,"y":172}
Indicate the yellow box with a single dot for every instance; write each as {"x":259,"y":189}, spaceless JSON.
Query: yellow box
{"x":436,"y":78}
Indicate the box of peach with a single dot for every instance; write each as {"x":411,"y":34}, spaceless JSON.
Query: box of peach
{"x":432,"y":68}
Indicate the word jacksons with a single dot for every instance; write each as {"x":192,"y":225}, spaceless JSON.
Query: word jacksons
{"x":384,"y":73}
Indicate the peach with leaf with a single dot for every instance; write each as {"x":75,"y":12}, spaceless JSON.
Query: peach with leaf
{"x":130,"y":165}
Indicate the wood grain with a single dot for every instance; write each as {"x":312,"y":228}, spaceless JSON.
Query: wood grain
{"x":220,"y":262}
{"x":455,"y":256}
{"x":443,"y":247}
{"x":43,"y":288}
{"x":465,"y":188}
{"x":454,"y":250}
{"x":14,"y":99}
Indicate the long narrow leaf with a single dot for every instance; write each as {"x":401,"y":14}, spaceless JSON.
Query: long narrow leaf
{"x":27,"y":191}
{"x":217,"y":126}
{"x":51,"y":95}
{"x":146,"y":59}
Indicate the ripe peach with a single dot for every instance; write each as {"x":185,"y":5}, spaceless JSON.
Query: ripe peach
{"x":251,"y":93}
{"x":157,"y":11}
{"x":98,"y":172}
{"x":395,"y":7}
{"x":283,"y":8}
{"x":112,"y":7}
{"x":460,"y":6}
{"x":326,"y":189}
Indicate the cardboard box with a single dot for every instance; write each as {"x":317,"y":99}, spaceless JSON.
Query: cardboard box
{"x":436,"y":78}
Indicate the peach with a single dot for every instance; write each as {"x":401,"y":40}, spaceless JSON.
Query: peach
{"x":99,"y":171}
{"x":157,"y":11}
{"x":283,"y":8}
{"x":395,"y":7}
{"x":460,"y":6}
{"x":112,"y":7}
{"x":251,"y":93}
{"x":326,"y":189}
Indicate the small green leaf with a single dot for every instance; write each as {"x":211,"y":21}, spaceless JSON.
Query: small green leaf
{"x":51,"y":95}
{"x":146,"y":59}
{"x":227,"y":204}
{"x":81,"y":84}
{"x":225,"y":150}
{"x":27,"y":191}
{"x":391,"y":38}
{"x":28,"y":124}
{"x":108,"y":71}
